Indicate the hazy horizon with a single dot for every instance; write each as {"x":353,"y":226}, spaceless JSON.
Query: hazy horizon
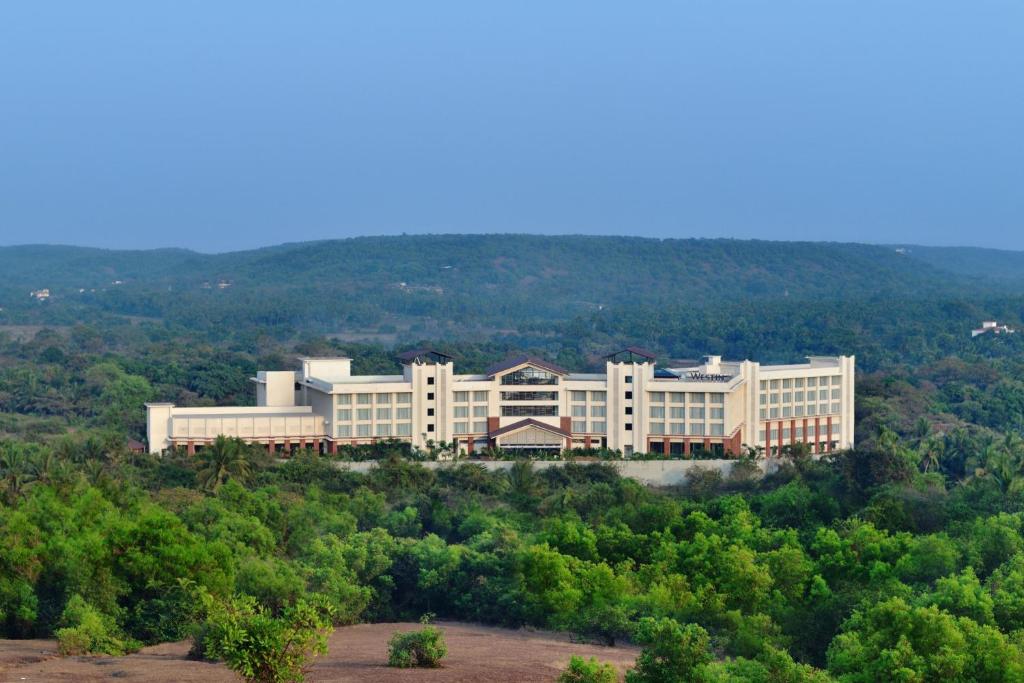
{"x":226,"y":126}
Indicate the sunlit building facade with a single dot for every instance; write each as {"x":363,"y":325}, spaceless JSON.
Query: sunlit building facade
{"x":530,"y":405}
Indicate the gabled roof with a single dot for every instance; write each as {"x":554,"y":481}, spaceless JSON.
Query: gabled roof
{"x":529,"y":422}
{"x":633,"y":351}
{"x":407,"y":357}
{"x":514,"y":361}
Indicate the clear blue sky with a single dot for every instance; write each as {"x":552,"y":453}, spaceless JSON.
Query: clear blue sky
{"x":218,"y":125}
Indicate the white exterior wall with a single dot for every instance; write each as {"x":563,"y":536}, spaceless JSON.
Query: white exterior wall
{"x":325,"y":381}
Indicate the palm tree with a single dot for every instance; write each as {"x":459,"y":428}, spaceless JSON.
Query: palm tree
{"x":226,"y":458}
{"x":522,"y":480}
{"x":930,"y":452}
{"x":16,"y":470}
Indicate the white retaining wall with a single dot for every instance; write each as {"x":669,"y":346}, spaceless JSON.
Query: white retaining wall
{"x":649,"y":472}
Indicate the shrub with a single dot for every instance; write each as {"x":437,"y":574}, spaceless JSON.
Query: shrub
{"x":424,"y":648}
{"x":672,"y":653}
{"x":89,"y":631}
{"x":258,"y":646}
{"x":588,"y":671}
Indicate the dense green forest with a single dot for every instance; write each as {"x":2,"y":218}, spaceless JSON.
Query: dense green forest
{"x":901,"y":560}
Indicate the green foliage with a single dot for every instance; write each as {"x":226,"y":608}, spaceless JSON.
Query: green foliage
{"x":588,"y":671}
{"x":671,"y":654}
{"x":257,"y":645}
{"x":87,"y":631}
{"x":421,"y":648}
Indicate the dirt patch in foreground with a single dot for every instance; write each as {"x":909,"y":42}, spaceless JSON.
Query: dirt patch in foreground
{"x":356,"y":653}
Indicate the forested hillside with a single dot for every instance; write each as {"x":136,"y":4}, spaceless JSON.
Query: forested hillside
{"x":452,"y":280}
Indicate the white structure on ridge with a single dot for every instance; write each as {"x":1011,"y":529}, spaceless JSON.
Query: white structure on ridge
{"x":531,"y":405}
{"x":992,"y":326}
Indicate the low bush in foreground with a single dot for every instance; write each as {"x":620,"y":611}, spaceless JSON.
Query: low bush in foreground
{"x":88,"y":631}
{"x":258,"y":646}
{"x":423,"y":648}
{"x":588,"y":671}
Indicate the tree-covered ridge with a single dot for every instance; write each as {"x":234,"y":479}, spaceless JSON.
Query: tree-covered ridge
{"x":487,"y":279}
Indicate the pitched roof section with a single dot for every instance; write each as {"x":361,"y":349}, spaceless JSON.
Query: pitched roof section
{"x":529,"y":422}
{"x":432,"y":355}
{"x":514,"y":361}
{"x":632,"y":352}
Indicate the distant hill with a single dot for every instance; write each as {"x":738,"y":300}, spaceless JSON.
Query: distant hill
{"x":470,"y":281}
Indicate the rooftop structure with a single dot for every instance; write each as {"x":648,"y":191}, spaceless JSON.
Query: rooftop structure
{"x":991,"y":327}
{"x":532,"y":405}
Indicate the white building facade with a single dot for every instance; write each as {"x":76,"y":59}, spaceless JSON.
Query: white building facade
{"x":529,"y":405}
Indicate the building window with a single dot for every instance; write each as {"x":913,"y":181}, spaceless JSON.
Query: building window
{"x":696,"y":398}
{"x":598,"y":411}
{"x":774,"y":412}
{"x":798,"y":397}
{"x":717,"y":429}
{"x":579,"y":426}
{"x":529,"y":376}
{"x":787,"y":397}
{"x":384,"y":414}
{"x":363,"y":399}
{"x":479,"y":411}
{"x":657,"y":396}
{"x":787,"y":411}
{"x":363,"y":414}
{"x":529,"y":411}
{"x":677,"y":427}
{"x":529,"y":396}
{"x":405,"y":398}
{"x":384,"y":399}
{"x":657,"y":428}
{"x":579,"y":410}
{"x":798,"y":411}
{"x":823,"y":395}
{"x":718,"y":398}
{"x":812,"y":381}
{"x":629,"y":395}
{"x":629,"y":410}
{"x":628,"y":379}
{"x":717,"y":413}
{"x":480,"y":427}
{"x":835,"y":394}
{"x":658,"y":412}
{"x":629,"y":426}
{"x":344,"y":430}
{"x":384,"y":429}
{"x":798,"y":382}
{"x":430,"y":380}
{"x":676,"y":397}
{"x":403,"y":429}
{"x":461,"y":396}
{"x":599,"y":396}
{"x":345,"y":414}
{"x":598,"y":427}
{"x":835,"y":407}
{"x":775,"y":384}
{"x":403,"y":413}
{"x":775,"y":398}
{"x":344,"y":399}
{"x":430,"y":396}
{"x":430,"y":427}
{"x":461,"y":427}
{"x":697,"y":429}
{"x":579,"y":395}
{"x":764,"y":399}
{"x":764,"y":413}
{"x":363,"y":430}
{"x":460,"y":412}
{"x":696,"y":413}
{"x":479,"y":396}
{"x":787,"y":384}
{"x":430,"y":412}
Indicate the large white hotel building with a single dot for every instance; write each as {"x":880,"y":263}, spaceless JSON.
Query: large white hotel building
{"x":530,"y":405}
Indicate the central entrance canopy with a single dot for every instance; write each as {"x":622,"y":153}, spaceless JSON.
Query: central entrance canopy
{"x":531,"y":436}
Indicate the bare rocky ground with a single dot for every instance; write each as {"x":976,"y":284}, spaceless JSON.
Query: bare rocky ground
{"x":356,"y":653}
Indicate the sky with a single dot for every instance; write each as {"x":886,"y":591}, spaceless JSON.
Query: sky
{"x":230,"y":125}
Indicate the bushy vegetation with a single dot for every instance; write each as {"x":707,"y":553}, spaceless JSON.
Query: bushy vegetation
{"x":423,"y":648}
{"x":588,"y":671}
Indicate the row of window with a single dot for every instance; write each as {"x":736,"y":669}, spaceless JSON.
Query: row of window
{"x":798,"y":411}
{"x":799,"y":432}
{"x":463,"y":396}
{"x":463,"y":411}
{"x":799,"y":382}
{"x":529,"y":396}
{"x":366,"y":414}
{"x":529,"y":411}
{"x":658,"y":412}
{"x":595,"y":411}
{"x":694,"y":429}
{"x":378,"y":430}
{"x":798,"y":396}
{"x":479,"y":427}
{"x":370,"y":399}
{"x":596,"y":427}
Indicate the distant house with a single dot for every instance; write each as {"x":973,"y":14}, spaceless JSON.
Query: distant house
{"x":40,"y":294}
{"x":993,"y":327}
{"x":135,"y":446}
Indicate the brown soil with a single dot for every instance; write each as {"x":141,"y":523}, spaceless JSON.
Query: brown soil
{"x":356,"y":653}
